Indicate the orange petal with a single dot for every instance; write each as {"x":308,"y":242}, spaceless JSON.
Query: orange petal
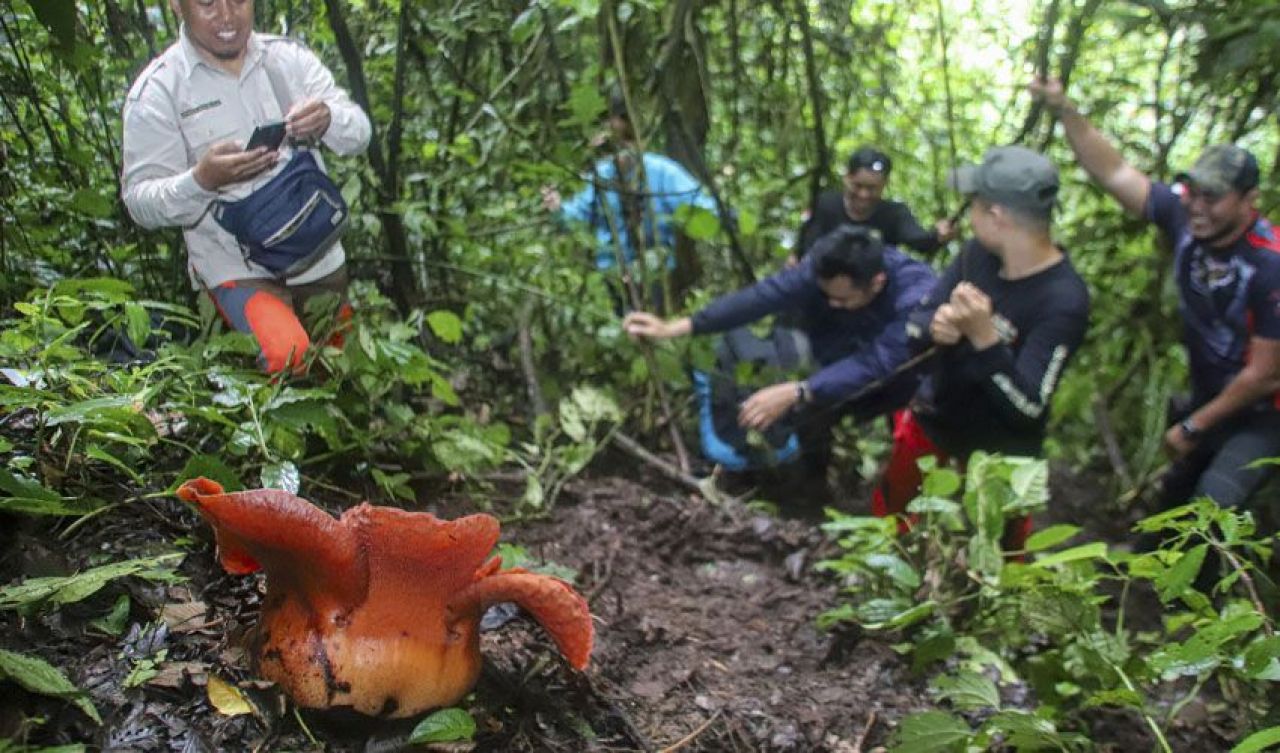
{"x":561,"y":611}
{"x":299,"y":544}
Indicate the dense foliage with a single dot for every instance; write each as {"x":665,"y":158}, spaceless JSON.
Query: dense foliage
{"x":485,"y":339}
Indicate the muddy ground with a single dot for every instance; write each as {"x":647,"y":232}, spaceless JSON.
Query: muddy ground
{"x":706,"y":640}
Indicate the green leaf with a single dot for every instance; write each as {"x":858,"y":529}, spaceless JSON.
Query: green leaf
{"x":1260,"y":657}
{"x":282,"y":475}
{"x":39,"y":676}
{"x":1173,"y":582}
{"x":1259,"y":741}
{"x":137,"y":323}
{"x":446,"y":325}
{"x":97,"y":453}
{"x":72,"y":588}
{"x":931,"y":732}
{"x":897,"y":570}
{"x":940,"y":482}
{"x":91,"y":202}
{"x":1050,"y":537}
{"x":701,"y":224}
{"x":59,"y":17}
{"x":1094,"y":550}
{"x":210,"y":467}
{"x":967,"y":691}
{"x":114,"y":621}
{"x":586,"y":104}
{"x":1025,"y":732}
{"x":748,"y":223}
{"x":18,"y":486}
{"x":445,"y":725}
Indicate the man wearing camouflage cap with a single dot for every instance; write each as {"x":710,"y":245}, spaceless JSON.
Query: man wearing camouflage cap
{"x":1006,"y":317}
{"x":1227,"y":268}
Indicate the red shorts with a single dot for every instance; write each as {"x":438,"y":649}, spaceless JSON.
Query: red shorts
{"x":902,"y":478}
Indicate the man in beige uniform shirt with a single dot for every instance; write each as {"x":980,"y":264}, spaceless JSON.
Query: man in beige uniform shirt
{"x":186,"y":122}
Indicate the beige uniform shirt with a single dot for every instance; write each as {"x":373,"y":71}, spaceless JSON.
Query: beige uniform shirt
{"x":182,"y":105}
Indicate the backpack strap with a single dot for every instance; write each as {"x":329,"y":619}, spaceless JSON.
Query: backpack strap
{"x":278,"y":86}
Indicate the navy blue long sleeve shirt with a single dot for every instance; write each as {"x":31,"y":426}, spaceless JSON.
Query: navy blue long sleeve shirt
{"x":854,"y":348}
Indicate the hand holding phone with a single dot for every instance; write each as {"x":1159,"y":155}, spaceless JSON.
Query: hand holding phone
{"x":269,"y":135}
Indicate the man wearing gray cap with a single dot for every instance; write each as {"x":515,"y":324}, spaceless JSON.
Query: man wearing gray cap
{"x":1227,"y":267}
{"x":1006,"y":317}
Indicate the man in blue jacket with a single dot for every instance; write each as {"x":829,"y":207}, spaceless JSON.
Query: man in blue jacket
{"x":852,"y":295}
{"x":614,"y":205}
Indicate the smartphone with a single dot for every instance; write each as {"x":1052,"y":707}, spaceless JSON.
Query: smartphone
{"x":270,"y":135}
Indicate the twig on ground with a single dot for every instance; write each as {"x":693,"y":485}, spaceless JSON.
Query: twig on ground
{"x":866,"y":730}
{"x":692,"y":735}
{"x":637,"y":451}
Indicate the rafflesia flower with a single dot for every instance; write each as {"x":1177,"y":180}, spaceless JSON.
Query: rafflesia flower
{"x":378,"y":610}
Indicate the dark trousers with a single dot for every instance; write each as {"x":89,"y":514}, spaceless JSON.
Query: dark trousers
{"x":1219,"y":465}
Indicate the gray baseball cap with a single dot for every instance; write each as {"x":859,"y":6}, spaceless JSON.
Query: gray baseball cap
{"x":1012,"y":176}
{"x":1223,"y":168}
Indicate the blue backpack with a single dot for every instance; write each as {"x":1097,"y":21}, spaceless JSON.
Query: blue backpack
{"x":288,"y":224}
{"x":720,"y":395}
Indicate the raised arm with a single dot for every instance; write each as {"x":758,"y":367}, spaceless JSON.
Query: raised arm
{"x":1095,"y":152}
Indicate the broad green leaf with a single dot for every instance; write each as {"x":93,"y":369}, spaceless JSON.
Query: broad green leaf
{"x":748,"y":223}
{"x":1092,"y":551}
{"x":1026,"y":733}
{"x":210,"y":467}
{"x":1260,"y":657}
{"x":19,"y":486}
{"x":446,"y":325}
{"x":931,"y":732}
{"x":967,"y":691}
{"x":5,"y":445}
{"x":1259,"y":741}
{"x":445,"y":725}
{"x":73,"y":588}
{"x":897,"y":570}
{"x":283,"y":475}
{"x":1030,"y":482}
{"x":39,"y":676}
{"x":114,"y":621}
{"x":1173,"y":582}
{"x":137,"y":323}
{"x":59,"y":17}
{"x":586,"y":104}
{"x":98,"y":453}
{"x":940,"y":482}
{"x":1050,"y":537}
{"x":90,"y":409}
{"x":92,"y":202}
{"x":701,"y":224}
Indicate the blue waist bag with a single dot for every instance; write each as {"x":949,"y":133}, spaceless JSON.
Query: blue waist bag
{"x":289,"y":223}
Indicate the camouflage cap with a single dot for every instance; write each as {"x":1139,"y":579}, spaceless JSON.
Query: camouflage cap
{"x":1011,"y":176}
{"x":1223,"y":168}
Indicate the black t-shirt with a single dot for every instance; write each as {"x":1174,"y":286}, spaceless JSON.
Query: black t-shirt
{"x":998,"y":399}
{"x":893,"y":219}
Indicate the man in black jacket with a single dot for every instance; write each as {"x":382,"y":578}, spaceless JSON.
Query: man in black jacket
{"x":862,"y":204}
{"x":1006,"y":317}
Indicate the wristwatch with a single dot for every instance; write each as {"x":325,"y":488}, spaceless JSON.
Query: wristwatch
{"x":1189,"y":429}
{"x":802,"y":392}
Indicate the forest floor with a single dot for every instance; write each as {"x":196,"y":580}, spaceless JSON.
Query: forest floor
{"x":706,"y":641}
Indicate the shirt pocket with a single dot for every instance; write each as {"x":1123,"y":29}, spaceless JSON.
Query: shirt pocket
{"x":211,"y":125}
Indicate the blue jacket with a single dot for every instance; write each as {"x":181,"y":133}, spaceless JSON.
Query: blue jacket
{"x":854,"y":348}
{"x":670,"y":186}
